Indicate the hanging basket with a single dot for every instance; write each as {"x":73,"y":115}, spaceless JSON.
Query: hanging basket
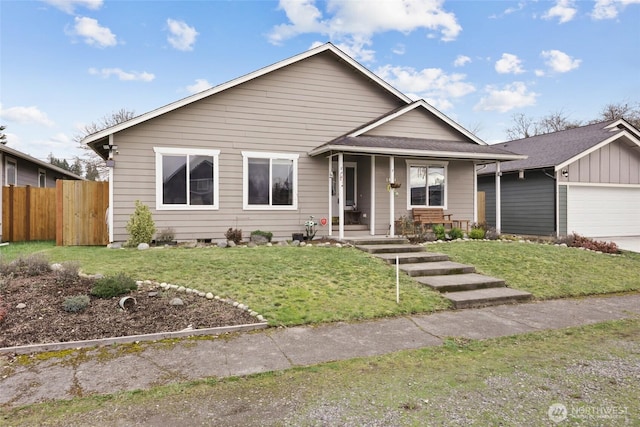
{"x":395,"y":184}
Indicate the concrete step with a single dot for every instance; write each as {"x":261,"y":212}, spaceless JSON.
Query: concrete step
{"x":486,"y":297}
{"x":372,"y":240}
{"x":391,"y":248}
{"x":412,"y":257}
{"x":436,"y":268}
{"x":461,"y":282}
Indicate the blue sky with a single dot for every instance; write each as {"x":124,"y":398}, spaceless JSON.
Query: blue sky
{"x":67,"y":63}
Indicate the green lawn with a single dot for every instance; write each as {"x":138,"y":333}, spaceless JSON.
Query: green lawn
{"x":295,"y":285}
{"x":548,"y":271}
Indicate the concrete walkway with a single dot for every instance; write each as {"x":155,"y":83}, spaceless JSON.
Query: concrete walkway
{"x":119,"y":368}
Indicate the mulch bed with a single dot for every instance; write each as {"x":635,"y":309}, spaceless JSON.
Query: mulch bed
{"x":44,"y":320}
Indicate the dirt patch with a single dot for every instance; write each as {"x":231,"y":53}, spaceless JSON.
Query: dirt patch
{"x":43,"y":319}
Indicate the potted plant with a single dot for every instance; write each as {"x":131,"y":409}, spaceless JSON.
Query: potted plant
{"x":310,"y":228}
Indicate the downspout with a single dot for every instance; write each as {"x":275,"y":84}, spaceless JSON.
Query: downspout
{"x":392,"y":207}
{"x":110,"y":209}
{"x":331,"y":178}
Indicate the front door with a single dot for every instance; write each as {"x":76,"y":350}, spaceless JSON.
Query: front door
{"x":350,"y":187}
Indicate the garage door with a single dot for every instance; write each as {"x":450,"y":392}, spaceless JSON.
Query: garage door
{"x":603,"y":211}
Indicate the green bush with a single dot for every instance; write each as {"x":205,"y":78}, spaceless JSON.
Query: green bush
{"x":234,"y":234}
{"x":439,"y":231}
{"x":140,"y":226}
{"x":456,"y":233}
{"x":476,"y":233}
{"x":113,"y":286}
{"x":266,"y":234}
{"x":75,"y":303}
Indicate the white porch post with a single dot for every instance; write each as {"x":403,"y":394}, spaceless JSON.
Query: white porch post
{"x":341,"y":196}
{"x":331,"y":178}
{"x":110,"y":209}
{"x":475,"y":194}
{"x":372,"y":214}
{"x":392,"y":201}
{"x":498,"y":198}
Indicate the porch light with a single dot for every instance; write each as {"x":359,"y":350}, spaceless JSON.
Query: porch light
{"x":565,"y":173}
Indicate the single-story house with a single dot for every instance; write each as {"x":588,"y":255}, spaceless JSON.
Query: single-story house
{"x":20,"y":169}
{"x":584,"y":180}
{"x":317,"y":134}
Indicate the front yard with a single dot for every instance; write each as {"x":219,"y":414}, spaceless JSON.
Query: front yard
{"x":302,"y":285}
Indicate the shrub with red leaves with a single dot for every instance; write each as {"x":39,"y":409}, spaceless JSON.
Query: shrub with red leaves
{"x":594,"y":245}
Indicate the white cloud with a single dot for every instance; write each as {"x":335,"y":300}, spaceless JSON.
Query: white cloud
{"x":564,"y":10}
{"x":461,"y":61}
{"x":509,"y":64}
{"x":353,"y":23}
{"x":199,"y":86}
{"x":539,"y":73}
{"x":559,"y":61}
{"x":399,"y":49}
{"x":182,"y":36}
{"x":26,"y":115}
{"x":514,"y":95}
{"x":432,"y":84}
{"x":122,"y":75}
{"x":93,"y":33}
{"x":609,"y":9}
{"x":521,"y":5}
{"x":69,"y":6}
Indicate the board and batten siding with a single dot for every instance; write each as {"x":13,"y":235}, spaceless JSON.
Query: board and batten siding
{"x":290,"y":110}
{"x":615,"y":163}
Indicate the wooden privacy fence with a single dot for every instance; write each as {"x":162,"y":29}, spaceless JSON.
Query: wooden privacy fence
{"x":72,"y":214}
{"x":28,"y":213}
{"x":81,"y":208}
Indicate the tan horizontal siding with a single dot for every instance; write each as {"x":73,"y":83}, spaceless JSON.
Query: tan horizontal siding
{"x":417,"y":123}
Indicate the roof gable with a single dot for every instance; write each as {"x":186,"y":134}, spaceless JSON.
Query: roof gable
{"x":19,"y":154}
{"x":327,"y":47}
{"x":557,"y":149}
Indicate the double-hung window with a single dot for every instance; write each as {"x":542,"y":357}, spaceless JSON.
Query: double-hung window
{"x":270,"y":180}
{"x":186,"y":178}
{"x":42,"y":178}
{"x":427,"y":186}
{"x":11,"y":171}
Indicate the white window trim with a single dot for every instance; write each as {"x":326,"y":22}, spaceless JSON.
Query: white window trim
{"x":424,"y":163}
{"x":42,"y":172}
{"x":246,"y":155}
{"x":8,"y":160}
{"x":160,"y":151}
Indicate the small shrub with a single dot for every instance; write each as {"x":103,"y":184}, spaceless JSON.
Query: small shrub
{"x":584,"y":242}
{"x":476,"y":232}
{"x":266,"y":234}
{"x":234,"y":234}
{"x":140,"y":226}
{"x":491,"y":233}
{"x":3,"y":311}
{"x":68,"y":273}
{"x":75,"y":303}
{"x":113,"y":286}
{"x":30,"y":265}
{"x":456,"y":233}
{"x":166,"y":235}
{"x":440,"y":232}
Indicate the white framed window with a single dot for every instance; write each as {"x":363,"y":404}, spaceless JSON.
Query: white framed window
{"x":10,"y":171}
{"x":186,"y":178}
{"x":42,"y":178}
{"x":270,"y":181}
{"x":426,"y":184}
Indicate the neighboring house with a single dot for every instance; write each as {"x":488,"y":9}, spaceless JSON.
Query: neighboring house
{"x":292,"y":140}
{"x":20,"y":169}
{"x":584,"y":180}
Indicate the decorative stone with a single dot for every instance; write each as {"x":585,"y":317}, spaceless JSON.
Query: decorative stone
{"x":301,"y":243}
{"x":176,"y":301}
{"x":139,"y":282}
{"x":222,"y":244}
{"x":241,"y":306}
{"x":269,"y":244}
{"x":189,"y":290}
{"x":182,"y":289}
{"x":21,"y":306}
{"x":148,"y":282}
{"x":56,"y":267}
{"x":260,"y":318}
{"x":253,"y":313}
{"x":143,"y":246}
{"x":201,"y":294}
{"x":153,"y":294}
{"x":216,"y":297}
{"x":173,"y":286}
{"x":236,"y":303}
{"x":209,"y":295}
{"x":283,"y":243}
{"x":259,"y":239}
{"x":338,"y":245}
{"x":295,"y":243}
{"x":231,"y":243}
{"x":251,"y":245}
{"x":98,"y":276}
{"x":114,"y":245}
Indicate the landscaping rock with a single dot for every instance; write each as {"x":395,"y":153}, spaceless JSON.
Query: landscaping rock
{"x":153,"y":294}
{"x":222,"y":244}
{"x":251,"y":245}
{"x":182,"y":289}
{"x":143,"y":246}
{"x":259,"y":239}
{"x":269,"y":244}
{"x":114,"y":245}
{"x":283,"y":243}
{"x":56,"y":267}
{"x":231,"y":243}
{"x":176,"y":301}
{"x":21,"y":306}
{"x":295,"y":243}
{"x":209,"y":295}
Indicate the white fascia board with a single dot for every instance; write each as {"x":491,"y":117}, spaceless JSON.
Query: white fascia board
{"x":598,"y":146}
{"x":416,"y":153}
{"x":420,"y":103}
{"x":235,"y":82}
{"x":614,"y":127}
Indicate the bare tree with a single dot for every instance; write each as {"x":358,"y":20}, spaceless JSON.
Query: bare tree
{"x":94,"y":166}
{"x":523,"y":127}
{"x":557,"y":121}
{"x":622,"y":110}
